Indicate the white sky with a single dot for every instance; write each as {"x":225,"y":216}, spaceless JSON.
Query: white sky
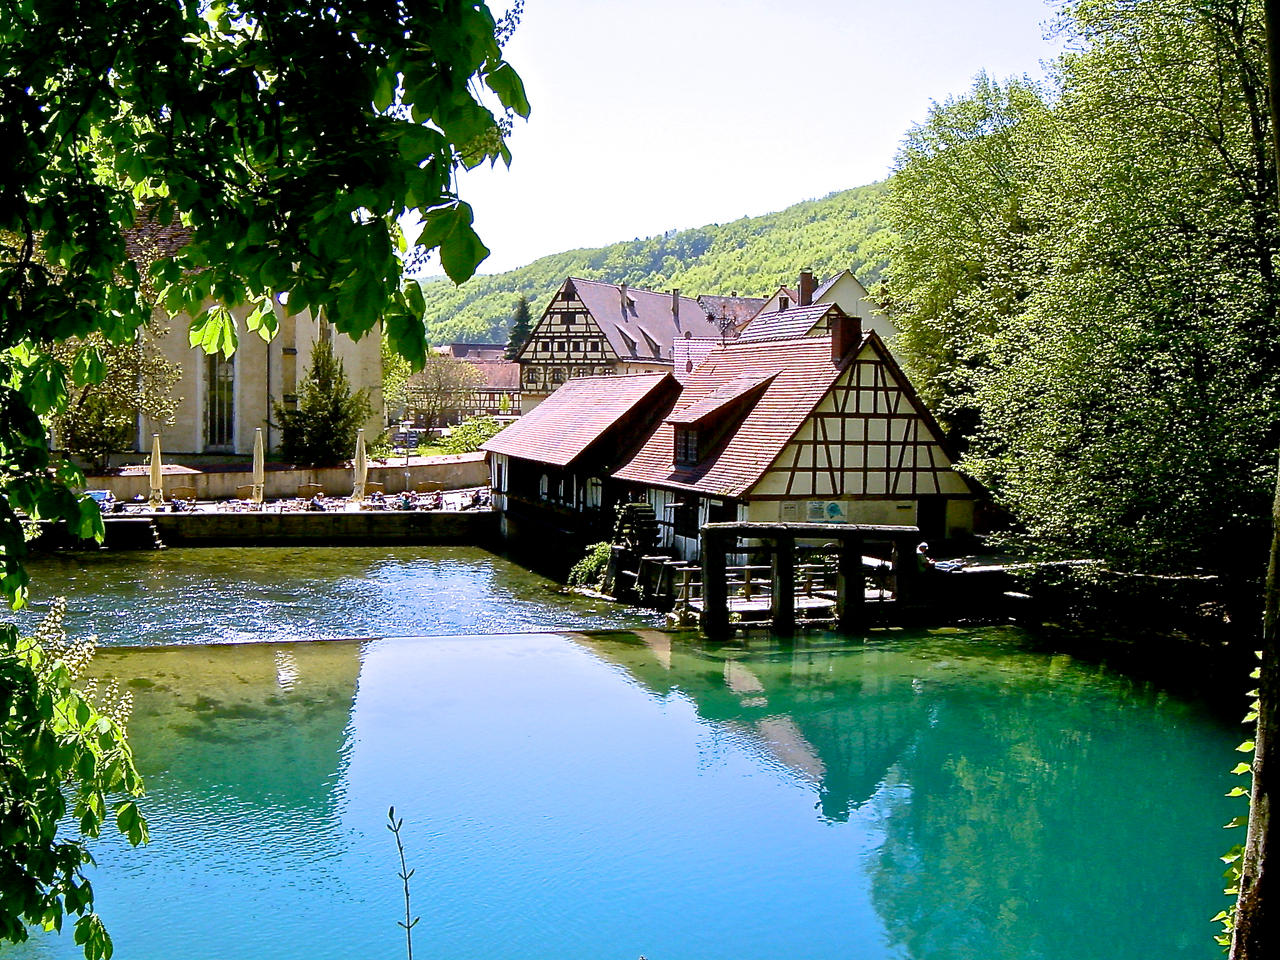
{"x":650,"y":115}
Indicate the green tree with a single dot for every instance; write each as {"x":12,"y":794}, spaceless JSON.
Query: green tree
{"x":321,"y":432}
{"x":130,"y":379}
{"x":470,"y":435}
{"x":958,"y":248}
{"x":442,"y":384}
{"x":285,"y":141}
{"x":521,"y":325}
{"x":1255,"y":924}
{"x":282,"y":142}
{"x":63,"y":755}
{"x":1115,"y":292}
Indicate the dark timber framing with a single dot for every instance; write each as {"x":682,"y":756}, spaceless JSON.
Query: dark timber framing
{"x":719,"y":539}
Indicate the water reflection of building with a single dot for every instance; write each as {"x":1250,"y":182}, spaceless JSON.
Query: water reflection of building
{"x":200,"y":713}
{"x":1024,"y":803}
{"x":807,"y":708}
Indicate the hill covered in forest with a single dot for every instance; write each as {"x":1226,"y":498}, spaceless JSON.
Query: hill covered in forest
{"x":750,"y":256}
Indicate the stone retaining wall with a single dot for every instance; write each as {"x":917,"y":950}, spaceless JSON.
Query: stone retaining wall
{"x":362,"y":528}
{"x":452,"y":472}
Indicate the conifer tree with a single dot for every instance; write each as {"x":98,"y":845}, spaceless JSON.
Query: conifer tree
{"x":321,"y":432}
{"x":520,"y":328}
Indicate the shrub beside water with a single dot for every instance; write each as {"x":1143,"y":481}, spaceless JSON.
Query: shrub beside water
{"x":589,"y":571}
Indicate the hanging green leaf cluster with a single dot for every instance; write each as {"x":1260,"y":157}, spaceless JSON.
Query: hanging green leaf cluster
{"x":1086,"y":281}
{"x":195,"y":156}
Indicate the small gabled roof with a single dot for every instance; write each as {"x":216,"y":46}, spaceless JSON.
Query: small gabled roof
{"x":646,"y":327}
{"x":799,"y":373}
{"x":731,"y":393}
{"x":559,"y":429}
{"x":788,"y":324}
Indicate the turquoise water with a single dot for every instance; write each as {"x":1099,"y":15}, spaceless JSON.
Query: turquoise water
{"x":303,"y":593}
{"x":945,"y":795}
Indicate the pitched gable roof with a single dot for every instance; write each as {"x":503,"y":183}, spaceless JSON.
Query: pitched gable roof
{"x":789,"y":323}
{"x":561,"y":428}
{"x":645,"y":328}
{"x":829,"y":283}
{"x":800,"y":373}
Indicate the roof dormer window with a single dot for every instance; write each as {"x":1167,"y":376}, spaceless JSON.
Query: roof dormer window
{"x":686,"y":451}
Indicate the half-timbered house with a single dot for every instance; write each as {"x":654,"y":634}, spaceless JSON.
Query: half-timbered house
{"x":596,"y":329}
{"x":550,"y":469}
{"x":823,"y":428}
{"x":842,"y":289}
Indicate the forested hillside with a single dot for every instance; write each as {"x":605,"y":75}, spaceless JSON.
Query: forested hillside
{"x":750,"y":256}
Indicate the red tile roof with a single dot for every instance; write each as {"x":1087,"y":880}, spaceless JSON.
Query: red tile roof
{"x":722,"y":397}
{"x":787,"y":324}
{"x":646,"y":328}
{"x":802,"y":372}
{"x":579,"y":413}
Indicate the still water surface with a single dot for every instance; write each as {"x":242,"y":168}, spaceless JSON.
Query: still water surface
{"x":926,"y":795}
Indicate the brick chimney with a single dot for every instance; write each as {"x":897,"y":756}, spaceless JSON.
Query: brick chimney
{"x":807,"y":286}
{"x":622,"y":295}
{"x":675,"y":305}
{"x":783,"y":302}
{"x":846,"y":335}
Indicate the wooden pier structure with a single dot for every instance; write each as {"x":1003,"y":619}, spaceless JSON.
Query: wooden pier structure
{"x":849,"y":540}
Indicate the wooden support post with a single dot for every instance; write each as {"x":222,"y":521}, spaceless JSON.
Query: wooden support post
{"x":682,"y":600}
{"x":850,"y":588}
{"x":715,"y":593}
{"x":783,"y":586}
{"x":906,"y":571}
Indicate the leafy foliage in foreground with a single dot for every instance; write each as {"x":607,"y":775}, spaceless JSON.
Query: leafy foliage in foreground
{"x":751,"y":256}
{"x":200,"y":156}
{"x":195,"y":157}
{"x":63,"y":752}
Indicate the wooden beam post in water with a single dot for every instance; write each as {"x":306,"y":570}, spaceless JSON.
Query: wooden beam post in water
{"x":715,"y":592}
{"x":783,"y":587}
{"x":906,"y":571}
{"x":850,"y":591}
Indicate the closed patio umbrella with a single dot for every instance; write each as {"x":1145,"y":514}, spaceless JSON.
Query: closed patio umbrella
{"x":259,"y":467}
{"x":157,"y":473}
{"x":361,"y":468}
